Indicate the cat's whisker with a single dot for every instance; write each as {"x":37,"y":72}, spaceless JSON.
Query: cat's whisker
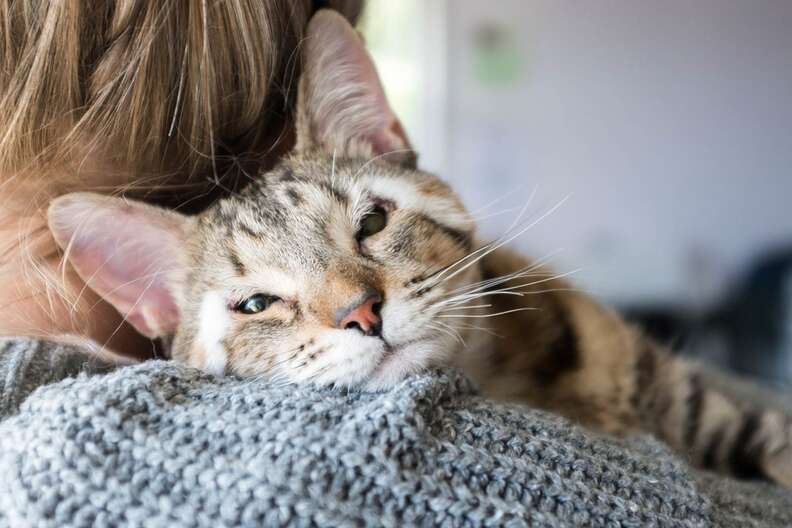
{"x":513,"y":290}
{"x":313,"y":376}
{"x":446,"y":329}
{"x":510,"y":192}
{"x":481,"y":287}
{"x":496,"y":281}
{"x":121,"y":324}
{"x":489,"y":331}
{"x":509,"y":277}
{"x":540,"y":281}
{"x":474,"y":296}
{"x":476,"y":306}
{"x":505,"y":241}
{"x":485,"y":316}
{"x":438,"y":274}
{"x":152,"y":276}
{"x":552,"y":290}
{"x":526,"y":271}
{"x":487,"y":216}
{"x":333,"y":170}
{"x":380,"y":156}
{"x":462,"y":326}
{"x":523,"y":211}
{"x":280,"y":380}
{"x":455,"y":298}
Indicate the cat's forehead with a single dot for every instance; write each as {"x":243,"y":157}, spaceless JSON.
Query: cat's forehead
{"x":303,"y":214}
{"x":289,"y":215}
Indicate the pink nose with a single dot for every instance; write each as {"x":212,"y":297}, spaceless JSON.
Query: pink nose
{"x":364,"y":317}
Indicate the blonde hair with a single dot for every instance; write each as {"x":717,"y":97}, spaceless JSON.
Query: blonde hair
{"x":163,"y":99}
{"x":165,"y":91}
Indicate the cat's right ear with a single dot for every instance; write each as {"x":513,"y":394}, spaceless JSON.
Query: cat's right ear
{"x":342,"y":108}
{"x":131,"y":254}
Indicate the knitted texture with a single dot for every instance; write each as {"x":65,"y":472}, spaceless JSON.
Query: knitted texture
{"x":164,"y":445}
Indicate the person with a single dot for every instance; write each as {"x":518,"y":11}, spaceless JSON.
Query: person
{"x":174,"y":102}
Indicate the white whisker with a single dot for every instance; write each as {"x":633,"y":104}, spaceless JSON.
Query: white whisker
{"x":500,"y":244}
{"x":477,"y":306}
{"x":510,"y":192}
{"x":484,"y":316}
{"x":375,"y":158}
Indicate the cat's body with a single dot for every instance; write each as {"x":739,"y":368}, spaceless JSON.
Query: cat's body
{"x":343,"y":267}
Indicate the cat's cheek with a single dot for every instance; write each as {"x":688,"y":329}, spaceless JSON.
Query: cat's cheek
{"x":209,"y":352}
{"x":403,"y":321}
{"x":347,"y":360}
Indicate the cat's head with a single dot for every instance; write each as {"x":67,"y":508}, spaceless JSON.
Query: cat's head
{"x":335,"y":267}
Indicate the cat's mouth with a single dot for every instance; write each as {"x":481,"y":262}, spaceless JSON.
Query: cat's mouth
{"x":390,"y":352}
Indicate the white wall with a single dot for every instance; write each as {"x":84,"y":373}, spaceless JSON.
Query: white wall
{"x":669,"y":123}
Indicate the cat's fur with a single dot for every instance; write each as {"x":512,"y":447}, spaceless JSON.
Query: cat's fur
{"x":295,"y":233}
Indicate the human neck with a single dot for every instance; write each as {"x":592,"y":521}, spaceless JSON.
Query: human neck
{"x":43,"y":298}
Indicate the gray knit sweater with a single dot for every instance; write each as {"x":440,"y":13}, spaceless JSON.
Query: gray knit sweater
{"x":160,"y":444}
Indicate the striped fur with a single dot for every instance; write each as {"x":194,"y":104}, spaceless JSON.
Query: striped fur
{"x":294,"y":236}
{"x":580,"y":359}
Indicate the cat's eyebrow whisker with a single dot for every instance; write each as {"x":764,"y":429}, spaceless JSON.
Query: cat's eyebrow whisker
{"x":380,"y":156}
{"x":510,"y":192}
{"x":523,"y":211}
{"x":439,"y":276}
{"x":478,"y":219}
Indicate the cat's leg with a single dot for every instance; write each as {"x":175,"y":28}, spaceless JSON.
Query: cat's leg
{"x":571,"y":355}
{"x":674,"y":400}
{"x":594,"y":368}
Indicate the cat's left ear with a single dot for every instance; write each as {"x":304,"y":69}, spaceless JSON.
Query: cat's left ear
{"x":342,"y":107}
{"x":130,"y":253}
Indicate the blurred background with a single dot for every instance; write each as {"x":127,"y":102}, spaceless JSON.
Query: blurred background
{"x":663,"y":130}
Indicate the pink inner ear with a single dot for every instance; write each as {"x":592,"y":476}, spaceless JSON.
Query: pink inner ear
{"x":390,"y":139}
{"x":128,"y":253}
{"x":345,"y":100}
{"x":140,"y":294}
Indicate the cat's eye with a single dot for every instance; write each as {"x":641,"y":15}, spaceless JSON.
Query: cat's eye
{"x":256,"y":303}
{"x":374,"y":222}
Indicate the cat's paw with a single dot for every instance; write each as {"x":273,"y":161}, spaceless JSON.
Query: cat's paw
{"x":777,"y":465}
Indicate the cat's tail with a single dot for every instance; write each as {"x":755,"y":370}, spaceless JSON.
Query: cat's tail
{"x":683,"y":407}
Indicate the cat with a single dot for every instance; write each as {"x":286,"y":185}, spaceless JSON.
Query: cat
{"x":345,"y":265}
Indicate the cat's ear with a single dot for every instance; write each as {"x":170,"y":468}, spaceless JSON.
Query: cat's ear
{"x":342,"y":107}
{"x":131,"y":254}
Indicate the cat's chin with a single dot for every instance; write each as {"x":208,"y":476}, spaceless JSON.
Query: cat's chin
{"x":369,"y":363}
{"x":398,"y":362}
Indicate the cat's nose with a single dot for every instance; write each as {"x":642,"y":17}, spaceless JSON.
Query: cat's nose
{"x":364,"y":316}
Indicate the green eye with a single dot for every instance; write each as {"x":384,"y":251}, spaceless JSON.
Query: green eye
{"x":373,"y":223}
{"x":256,"y":304}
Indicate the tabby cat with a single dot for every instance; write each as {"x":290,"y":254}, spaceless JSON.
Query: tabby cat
{"x":347,"y":266}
